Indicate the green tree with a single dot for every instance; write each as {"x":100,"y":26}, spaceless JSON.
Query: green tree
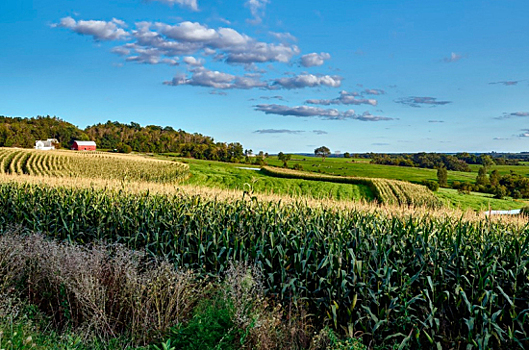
{"x":442,"y":176}
{"x":322,"y":152}
{"x":487,"y":161}
{"x":347,"y":155}
{"x":482,"y":178}
{"x":284,"y":158}
{"x":494,"y":178}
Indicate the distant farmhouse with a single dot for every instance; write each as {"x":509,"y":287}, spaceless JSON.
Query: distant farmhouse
{"x":84,"y":145}
{"x":47,"y":145}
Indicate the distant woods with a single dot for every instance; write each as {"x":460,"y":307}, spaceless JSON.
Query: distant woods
{"x":457,"y":162}
{"x":23,"y":132}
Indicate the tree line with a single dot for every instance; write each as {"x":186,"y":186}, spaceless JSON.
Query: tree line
{"x":457,"y":162}
{"x":125,"y":138}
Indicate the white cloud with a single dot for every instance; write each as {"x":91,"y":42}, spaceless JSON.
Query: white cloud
{"x":260,"y":52}
{"x":219,"y":80}
{"x":308,"y":111}
{"x":191,"y":4}
{"x":192,"y":61}
{"x":308,"y":80}
{"x":257,"y":8}
{"x":345,"y":98}
{"x":373,"y":92}
{"x":314,"y":59}
{"x":283,"y":37}
{"x":99,"y":30}
{"x":304,"y":111}
{"x":187,"y":31}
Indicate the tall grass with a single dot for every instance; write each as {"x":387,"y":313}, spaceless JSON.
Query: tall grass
{"x":433,"y":281}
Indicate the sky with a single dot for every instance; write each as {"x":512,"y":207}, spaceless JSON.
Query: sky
{"x":353,"y":75}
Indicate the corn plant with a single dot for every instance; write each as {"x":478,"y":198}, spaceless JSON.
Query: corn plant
{"x":396,"y":280}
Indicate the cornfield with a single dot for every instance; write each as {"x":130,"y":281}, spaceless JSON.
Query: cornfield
{"x":386,"y":191}
{"x":96,"y":165}
{"x":410,"y":281}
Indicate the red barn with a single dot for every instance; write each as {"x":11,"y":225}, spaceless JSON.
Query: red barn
{"x":84,"y":145}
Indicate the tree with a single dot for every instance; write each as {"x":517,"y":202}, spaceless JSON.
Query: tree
{"x":322,"y":152}
{"x":487,"y":161}
{"x":482,"y":179}
{"x":284,"y":158}
{"x":347,"y":155}
{"x":494,"y":178}
{"x":442,"y":176}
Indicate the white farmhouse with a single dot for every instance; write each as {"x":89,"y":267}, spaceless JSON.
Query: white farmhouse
{"x":47,"y":145}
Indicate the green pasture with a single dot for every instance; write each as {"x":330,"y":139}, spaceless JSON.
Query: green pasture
{"x":362,"y":168}
{"x":232,"y":177}
{"x":477,"y":201}
{"x":504,"y":169}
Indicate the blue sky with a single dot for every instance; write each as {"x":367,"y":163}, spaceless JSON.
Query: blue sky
{"x":357,"y":76}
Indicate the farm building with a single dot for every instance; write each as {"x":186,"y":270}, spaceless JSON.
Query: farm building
{"x":47,"y":145}
{"x":84,"y":145}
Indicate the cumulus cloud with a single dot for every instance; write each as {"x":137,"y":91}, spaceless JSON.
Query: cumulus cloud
{"x":185,"y":38}
{"x":192,"y":61}
{"x":261,"y":52}
{"x":314,"y":59}
{"x":500,"y":138}
{"x":414,"y":101}
{"x":308,"y":111}
{"x":320,"y":132}
{"x":454,"y":57}
{"x":278,"y":131}
{"x":345,"y":98}
{"x":146,"y":55}
{"x":257,"y":8}
{"x":201,"y":76}
{"x":99,"y":30}
{"x":507,"y":82}
{"x":307,"y":80}
{"x":191,"y":4}
{"x":513,"y":115}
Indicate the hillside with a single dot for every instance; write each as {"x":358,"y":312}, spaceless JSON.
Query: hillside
{"x":22,"y":132}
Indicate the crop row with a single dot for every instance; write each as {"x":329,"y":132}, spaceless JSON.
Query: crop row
{"x":386,"y":191}
{"x":89,"y":165}
{"x":429,"y":282}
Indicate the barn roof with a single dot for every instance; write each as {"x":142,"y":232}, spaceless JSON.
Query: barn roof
{"x":85,"y":143}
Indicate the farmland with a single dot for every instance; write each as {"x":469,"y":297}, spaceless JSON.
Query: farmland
{"x":89,"y":165}
{"x":411,"y":276}
{"x":362,"y":168}
{"x":424,"y":276}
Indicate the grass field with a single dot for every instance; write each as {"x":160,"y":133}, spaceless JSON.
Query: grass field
{"x":362,"y":168}
{"x":231,"y":176}
{"x":504,"y":169}
{"x":478,"y":201}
